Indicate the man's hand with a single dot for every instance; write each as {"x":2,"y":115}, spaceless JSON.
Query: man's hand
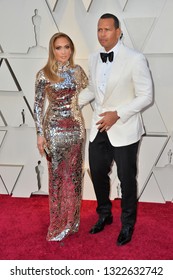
{"x":109,"y":118}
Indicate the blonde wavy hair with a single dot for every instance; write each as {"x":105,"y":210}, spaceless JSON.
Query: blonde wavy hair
{"x":51,"y":68}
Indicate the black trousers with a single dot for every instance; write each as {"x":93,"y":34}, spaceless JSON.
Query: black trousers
{"x":101,"y":157}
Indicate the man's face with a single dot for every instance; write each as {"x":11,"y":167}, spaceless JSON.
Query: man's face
{"x":107,"y":34}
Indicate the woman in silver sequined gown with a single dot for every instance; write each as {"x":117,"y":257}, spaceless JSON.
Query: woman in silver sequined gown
{"x":60,"y":131}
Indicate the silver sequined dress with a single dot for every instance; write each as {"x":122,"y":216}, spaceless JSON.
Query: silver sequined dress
{"x":62,"y":126}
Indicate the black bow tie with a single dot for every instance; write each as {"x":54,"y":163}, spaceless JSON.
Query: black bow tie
{"x":104,"y":56}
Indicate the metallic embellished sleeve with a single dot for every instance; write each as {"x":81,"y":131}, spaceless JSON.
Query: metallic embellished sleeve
{"x":81,"y":78}
{"x":39,"y":102}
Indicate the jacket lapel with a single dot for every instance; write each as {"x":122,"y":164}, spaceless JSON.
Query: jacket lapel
{"x":116,"y":72}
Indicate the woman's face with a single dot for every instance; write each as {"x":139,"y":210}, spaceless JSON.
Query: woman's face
{"x":62,"y":50}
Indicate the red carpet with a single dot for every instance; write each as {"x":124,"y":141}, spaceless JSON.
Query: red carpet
{"x":24,"y":223}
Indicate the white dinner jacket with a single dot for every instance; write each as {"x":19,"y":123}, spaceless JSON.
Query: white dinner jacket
{"x":129,"y":90}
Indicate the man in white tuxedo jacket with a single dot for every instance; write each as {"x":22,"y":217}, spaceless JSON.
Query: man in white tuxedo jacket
{"x":121,"y":86}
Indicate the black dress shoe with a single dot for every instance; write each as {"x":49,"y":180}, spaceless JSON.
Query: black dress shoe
{"x":99,"y":226}
{"x":125,"y":235}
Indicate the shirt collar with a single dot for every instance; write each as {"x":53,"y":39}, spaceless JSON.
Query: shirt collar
{"x":114,"y":49}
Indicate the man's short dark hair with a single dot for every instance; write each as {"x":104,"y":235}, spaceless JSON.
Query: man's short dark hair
{"x":116,"y":20}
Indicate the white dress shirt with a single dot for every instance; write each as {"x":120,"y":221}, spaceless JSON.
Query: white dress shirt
{"x":104,"y":71}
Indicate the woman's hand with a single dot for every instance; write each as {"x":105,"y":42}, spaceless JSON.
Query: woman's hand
{"x":41,"y":143}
